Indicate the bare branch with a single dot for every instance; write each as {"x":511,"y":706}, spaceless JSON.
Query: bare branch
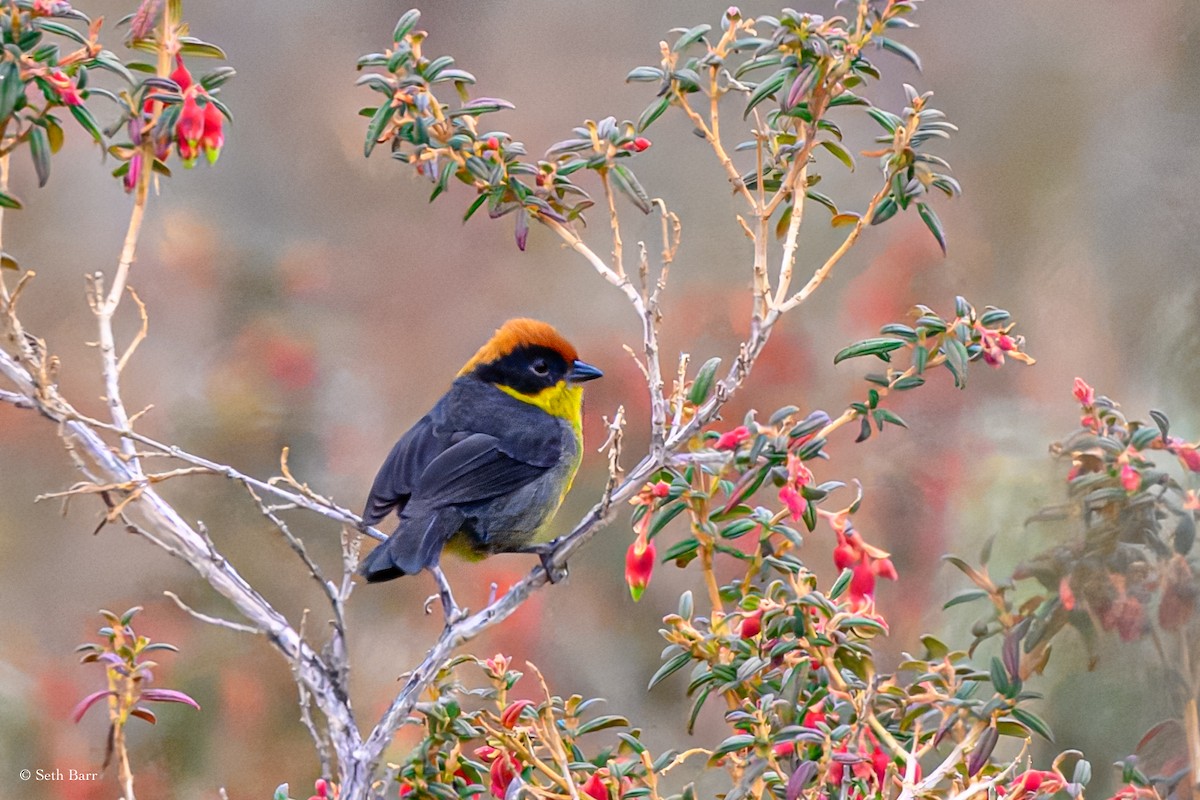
{"x":211,"y":620}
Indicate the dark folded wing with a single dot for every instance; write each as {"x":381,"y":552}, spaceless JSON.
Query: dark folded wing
{"x":477,"y":468}
{"x":401,"y":470}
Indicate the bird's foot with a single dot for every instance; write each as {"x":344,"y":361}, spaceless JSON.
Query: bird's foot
{"x":545,"y":553}
{"x":450,"y":609}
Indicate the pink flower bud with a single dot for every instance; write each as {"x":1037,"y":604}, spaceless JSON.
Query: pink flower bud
{"x":639,"y":566}
{"x":135,"y":170}
{"x":751,"y":625}
{"x":1085,"y":394}
{"x":640,"y":143}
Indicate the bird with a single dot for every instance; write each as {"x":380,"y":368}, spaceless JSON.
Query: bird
{"x":487,"y":468}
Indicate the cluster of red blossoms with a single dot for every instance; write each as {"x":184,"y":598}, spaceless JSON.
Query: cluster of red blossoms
{"x":865,"y":561}
{"x":1188,"y":453}
{"x":199,"y":126}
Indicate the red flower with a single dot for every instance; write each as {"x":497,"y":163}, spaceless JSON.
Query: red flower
{"x":862,"y":584}
{"x":1085,"y":394}
{"x":751,"y":625}
{"x":1189,"y":456}
{"x":731,"y":439}
{"x":845,"y":556}
{"x":1131,"y":479}
{"x":181,"y":75}
{"x":660,"y":489}
{"x":64,"y":87}
{"x":639,"y":566}
{"x":594,"y":787}
{"x":1033,"y":782}
{"x":503,"y":770}
{"x":213,"y":137}
{"x":190,"y":127}
{"x":795,"y":502}
{"x":510,"y":715}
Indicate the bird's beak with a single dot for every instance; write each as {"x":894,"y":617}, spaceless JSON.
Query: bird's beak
{"x":581,"y":371}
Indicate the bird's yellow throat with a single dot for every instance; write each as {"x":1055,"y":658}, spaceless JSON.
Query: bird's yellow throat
{"x":561,"y":400}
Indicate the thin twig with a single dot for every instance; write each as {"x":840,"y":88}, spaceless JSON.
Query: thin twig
{"x":211,"y":620}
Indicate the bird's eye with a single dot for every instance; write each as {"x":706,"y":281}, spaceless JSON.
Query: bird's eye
{"x":541,"y":367}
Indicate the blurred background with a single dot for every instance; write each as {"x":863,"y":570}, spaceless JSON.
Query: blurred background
{"x":302,"y":296}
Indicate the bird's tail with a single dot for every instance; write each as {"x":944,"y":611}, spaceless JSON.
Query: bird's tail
{"x":415,"y":545}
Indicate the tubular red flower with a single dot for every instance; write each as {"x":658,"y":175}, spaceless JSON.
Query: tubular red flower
{"x":639,"y":566}
{"x":212,"y":139}
{"x":594,"y":787}
{"x":862,"y":584}
{"x":795,"y":502}
{"x":190,"y":127}
{"x":731,"y":439}
{"x":181,"y":75}
{"x":65,"y":88}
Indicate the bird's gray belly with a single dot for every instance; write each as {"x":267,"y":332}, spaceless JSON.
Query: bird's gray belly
{"x":518,"y":519}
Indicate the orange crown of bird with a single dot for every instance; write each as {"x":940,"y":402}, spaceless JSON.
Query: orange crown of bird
{"x":521,"y":332}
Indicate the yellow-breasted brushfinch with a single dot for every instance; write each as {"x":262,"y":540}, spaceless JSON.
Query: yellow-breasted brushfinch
{"x":485,"y":471}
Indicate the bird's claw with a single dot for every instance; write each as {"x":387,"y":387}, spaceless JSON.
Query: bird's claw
{"x":450,"y":609}
{"x":554,"y":572}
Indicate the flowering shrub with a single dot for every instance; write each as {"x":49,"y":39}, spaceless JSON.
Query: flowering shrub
{"x":1123,"y":568}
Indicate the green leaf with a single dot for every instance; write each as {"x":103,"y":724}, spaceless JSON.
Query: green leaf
{"x":11,"y":88}
{"x":737,"y":529}
{"x":87,"y":122}
{"x":375,"y":127}
{"x":1034,"y":723}
{"x":702,"y":385}
{"x":665,"y":516}
{"x":869,"y":347}
{"x":739,"y":741}
{"x":602,"y":722}
{"x":669,"y":668}
{"x":39,"y":149}
{"x":684,"y":549}
{"x":405,"y":25}
{"x":840,"y":153}
{"x":965,"y":597}
{"x":956,"y":360}
{"x":652,"y":112}
{"x":628,"y":183}
{"x":765,"y":89}
{"x":690,"y":37}
{"x":194,"y":47}
{"x":904,"y":51}
{"x":882,"y":415}
{"x":886,"y":209}
{"x":888,"y":121}
{"x":644,"y":75}
{"x":840,"y":585}
{"x":63,"y":30}
{"x":934,"y":224}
